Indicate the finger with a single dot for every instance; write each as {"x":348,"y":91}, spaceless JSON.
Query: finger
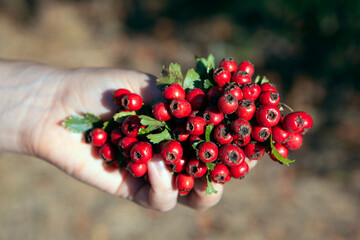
{"x":251,"y":163}
{"x":160,"y":193}
{"x":197,"y":198}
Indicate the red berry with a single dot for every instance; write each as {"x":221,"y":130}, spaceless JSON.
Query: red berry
{"x":282,"y":151}
{"x":222,"y":134}
{"x":115,"y":135}
{"x":240,"y":171}
{"x":97,"y":137}
{"x":213,"y":116}
{"x":268,"y":87}
{"x":247,"y":67}
{"x":195,"y":126}
{"x":118,"y":94}
{"x":173,"y":91}
{"x":294,"y":142}
{"x":279,"y":135}
{"x":254,"y":151}
{"x":125,"y":144}
{"x":251,"y":91}
{"x":235,"y":90}
{"x":297,"y":122}
{"x":241,"y":127}
{"x":107,"y":152}
{"x":241,"y":77}
{"x":214,"y":94}
{"x":196,"y":168}
{"x":307,"y":122}
{"x":221,"y":76}
{"x":171,"y":151}
{"x":246,"y":109}
{"x":220,"y":173}
{"x":161,"y":111}
{"x":268,"y":115}
{"x":184,"y":183}
{"x":137,"y":169}
{"x":181,"y":134}
{"x":180,"y":108}
{"x":196,"y":97}
{"x":141,"y":152}
{"x":178,"y":166}
{"x":208,"y":152}
{"x":269,"y":98}
{"x":227,"y":103}
{"x":131,"y":126}
{"x":229,"y":64}
{"x":260,"y":133}
{"x":241,"y":141}
{"x":231,"y":155}
{"x":131,"y":102}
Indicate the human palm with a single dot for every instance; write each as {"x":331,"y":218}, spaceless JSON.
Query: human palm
{"x":89,"y":90}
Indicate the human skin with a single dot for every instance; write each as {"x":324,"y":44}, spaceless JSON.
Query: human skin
{"x":35,"y":98}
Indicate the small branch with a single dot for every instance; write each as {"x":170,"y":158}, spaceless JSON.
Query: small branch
{"x":287,"y":106}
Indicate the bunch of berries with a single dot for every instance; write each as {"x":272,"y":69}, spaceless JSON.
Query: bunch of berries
{"x":206,"y":125}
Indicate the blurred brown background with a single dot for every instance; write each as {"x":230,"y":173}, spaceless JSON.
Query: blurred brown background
{"x":309,"y":49}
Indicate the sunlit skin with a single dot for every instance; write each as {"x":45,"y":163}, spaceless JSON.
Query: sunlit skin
{"x":35,"y":98}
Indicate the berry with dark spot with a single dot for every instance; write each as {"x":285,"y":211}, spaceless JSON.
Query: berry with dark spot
{"x":208,"y":152}
{"x":231,"y":155}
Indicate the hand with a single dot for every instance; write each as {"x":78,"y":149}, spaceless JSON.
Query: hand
{"x":60,"y":93}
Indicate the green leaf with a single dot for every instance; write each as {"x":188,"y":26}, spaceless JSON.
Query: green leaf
{"x":205,"y":66}
{"x":209,"y":187}
{"x":207,"y":84}
{"x":80,"y":124}
{"x":159,"y":137}
{"x":277,"y":154}
{"x":208,"y":131}
{"x":92,"y":117}
{"x":151,"y":123}
{"x":191,"y":79}
{"x":210,"y":62}
{"x":264,"y":80}
{"x":257,"y":79}
{"x":120,"y":116}
{"x":168,"y":77}
{"x":108,"y":126}
{"x":195,"y":144}
{"x":210,"y":166}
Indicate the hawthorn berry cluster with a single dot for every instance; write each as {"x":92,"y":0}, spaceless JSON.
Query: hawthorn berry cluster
{"x":205,"y":125}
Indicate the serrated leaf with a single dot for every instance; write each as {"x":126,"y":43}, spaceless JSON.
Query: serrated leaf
{"x":168,"y":77}
{"x":77,"y":124}
{"x":264,"y":80}
{"x":205,"y":66}
{"x":120,"y":116}
{"x":159,"y":137}
{"x":92,"y":117}
{"x":209,"y":187}
{"x":192,"y":78}
{"x":207,"y":84}
{"x":257,"y":79}
{"x":278,"y":156}
{"x":210,"y":166}
{"x":208,"y":131}
{"x":151,"y":123}
{"x":210,"y":62}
